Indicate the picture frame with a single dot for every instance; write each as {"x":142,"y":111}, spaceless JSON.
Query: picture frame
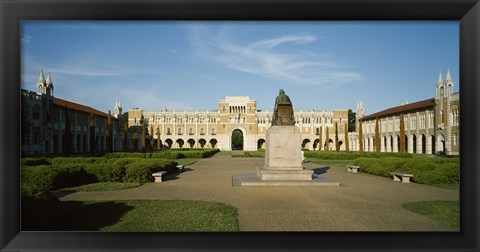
{"x":467,"y":12}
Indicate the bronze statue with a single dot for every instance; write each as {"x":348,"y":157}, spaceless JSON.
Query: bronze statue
{"x":283,"y":111}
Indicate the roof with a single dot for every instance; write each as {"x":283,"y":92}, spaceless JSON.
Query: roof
{"x":403,"y":108}
{"x":79,"y":107}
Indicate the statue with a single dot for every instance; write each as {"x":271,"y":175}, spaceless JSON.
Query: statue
{"x":283,"y":111}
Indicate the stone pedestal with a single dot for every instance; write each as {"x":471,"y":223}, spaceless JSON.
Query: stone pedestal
{"x":283,"y":155}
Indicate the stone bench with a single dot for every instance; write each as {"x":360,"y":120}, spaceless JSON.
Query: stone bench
{"x":353,"y":168}
{"x":181,"y":168}
{"x":404,"y":177}
{"x":159,"y":176}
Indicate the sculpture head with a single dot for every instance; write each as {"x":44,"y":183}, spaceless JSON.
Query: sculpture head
{"x":282,"y":91}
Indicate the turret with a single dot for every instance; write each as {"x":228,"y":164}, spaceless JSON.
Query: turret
{"x":118,"y":110}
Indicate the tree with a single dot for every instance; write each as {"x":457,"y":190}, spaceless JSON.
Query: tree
{"x":67,"y":145}
{"x":320,"y":143}
{"x":159,"y":142}
{"x":346,"y":137}
{"x":337,"y":144}
{"x":402,"y":134}
{"x":360,"y":135}
{"x":124,"y":119}
{"x":152,"y":140}
{"x":377,"y":136}
{"x":92,"y":134}
{"x":125,"y":138}
{"x":351,"y":120}
{"x":109,"y":133}
{"x":142,"y":121}
{"x":327,"y":141}
{"x":135,"y":139}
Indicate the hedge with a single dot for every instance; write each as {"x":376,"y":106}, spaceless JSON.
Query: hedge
{"x":425,"y":170}
{"x":352,"y":155}
{"x":170,"y":154}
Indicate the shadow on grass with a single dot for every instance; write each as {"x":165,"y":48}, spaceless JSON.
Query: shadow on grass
{"x":321,"y":170}
{"x":71,"y":215}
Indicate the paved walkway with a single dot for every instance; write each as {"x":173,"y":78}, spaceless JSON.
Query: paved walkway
{"x":363,"y":203}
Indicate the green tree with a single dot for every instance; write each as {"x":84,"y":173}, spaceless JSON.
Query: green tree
{"x":337,"y":144}
{"x":351,"y":120}
{"x":237,"y":139}
{"x":67,"y":144}
{"x":327,"y":141}
{"x":159,"y":142}
{"x":125,"y":137}
{"x":142,"y":121}
{"x":360,"y":135}
{"x":109,"y":133}
{"x":402,"y":134}
{"x":320,"y":143}
{"x":377,"y":136}
{"x":346,"y":137}
{"x":92,"y":134}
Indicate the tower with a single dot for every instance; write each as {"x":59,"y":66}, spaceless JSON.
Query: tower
{"x":45,"y":87}
{"x":444,"y":90}
{"x":118,"y":110}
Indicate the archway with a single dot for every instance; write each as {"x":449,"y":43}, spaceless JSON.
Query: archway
{"x":424,"y":144}
{"x":414,"y":140}
{"x":441,"y":144}
{"x":315,"y":144}
{"x":169,"y":143}
{"x":237,"y":140}
{"x":191,"y":142}
{"x":305,"y":143}
{"x":433,"y":145}
{"x":213,"y":142}
{"x":398,"y":143}
{"x":202,"y":142}
{"x":406,"y":144}
{"x":180,"y":143}
{"x":330,"y":144}
{"x":260,"y":143}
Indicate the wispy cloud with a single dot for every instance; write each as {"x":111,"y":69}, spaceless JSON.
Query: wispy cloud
{"x":291,"y":63}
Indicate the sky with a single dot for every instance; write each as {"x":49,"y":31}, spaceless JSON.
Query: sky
{"x":190,"y":65}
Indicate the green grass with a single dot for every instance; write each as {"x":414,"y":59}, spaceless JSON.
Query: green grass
{"x":102,"y":186}
{"x":446,"y":212}
{"x":224,"y":153}
{"x":448,"y":186}
{"x":136,"y":216}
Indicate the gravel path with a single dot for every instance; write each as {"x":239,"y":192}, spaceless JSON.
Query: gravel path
{"x":363,"y":203}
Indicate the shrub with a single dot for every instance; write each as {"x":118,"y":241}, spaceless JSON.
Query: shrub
{"x":35,"y":161}
{"x":141,"y":171}
{"x":59,"y":161}
{"x":425,"y":170}
{"x":37,"y":181}
{"x":70,"y":175}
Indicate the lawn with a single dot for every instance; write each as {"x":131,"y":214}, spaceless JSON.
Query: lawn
{"x":134,"y":216}
{"x":446,"y":212}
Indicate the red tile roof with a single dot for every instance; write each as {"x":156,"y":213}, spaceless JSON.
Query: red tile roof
{"x":76,"y":106}
{"x":403,"y":108}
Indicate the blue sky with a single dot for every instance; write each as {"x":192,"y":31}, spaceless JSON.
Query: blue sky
{"x":191,"y":65}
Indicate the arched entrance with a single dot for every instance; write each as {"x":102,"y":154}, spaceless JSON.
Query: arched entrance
{"x":260,"y":143}
{"x":424,"y":144}
{"x":414,"y":140}
{"x":237,"y":140}
{"x":213,"y":142}
{"x":441,"y":144}
{"x":169,"y":143}
{"x":306,"y":143}
{"x":180,"y":143}
{"x":202,"y":142}
{"x":191,"y":142}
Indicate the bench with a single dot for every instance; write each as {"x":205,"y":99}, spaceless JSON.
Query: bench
{"x":404,"y":177}
{"x":181,"y":168}
{"x":353,"y":168}
{"x":159,"y":176}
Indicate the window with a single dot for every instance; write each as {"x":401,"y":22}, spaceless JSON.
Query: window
{"x":36,"y":112}
{"x":168,"y":131}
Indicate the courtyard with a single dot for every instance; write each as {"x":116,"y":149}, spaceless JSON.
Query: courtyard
{"x":364,"y":202}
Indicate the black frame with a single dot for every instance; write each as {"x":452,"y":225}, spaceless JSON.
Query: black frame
{"x":13,"y":11}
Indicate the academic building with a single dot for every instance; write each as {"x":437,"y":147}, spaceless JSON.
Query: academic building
{"x":43,"y":119}
{"x":214,"y":128}
{"x":431,"y":126}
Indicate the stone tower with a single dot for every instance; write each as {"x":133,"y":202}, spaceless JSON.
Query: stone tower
{"x":118,"y":110}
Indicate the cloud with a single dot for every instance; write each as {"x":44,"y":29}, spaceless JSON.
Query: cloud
{"x":280,"y":58}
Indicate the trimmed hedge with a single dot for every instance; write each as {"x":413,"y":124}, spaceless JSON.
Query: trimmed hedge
{"x":170,"y":154}
{"x":352,"y":155}
{"x":36,"y":161}
{"x":425,"y":170}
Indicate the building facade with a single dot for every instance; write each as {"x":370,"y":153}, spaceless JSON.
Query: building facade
{"x":214,"y":128}
{"x":431,"y":126}
{"x":43,"y":120}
